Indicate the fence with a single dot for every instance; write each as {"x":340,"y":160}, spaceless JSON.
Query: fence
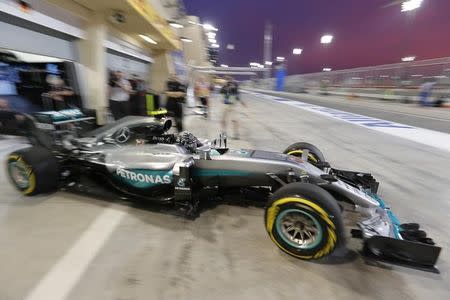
{"x":406,"y":75}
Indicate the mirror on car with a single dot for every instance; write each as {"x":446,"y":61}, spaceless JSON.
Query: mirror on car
{"x":204,"y":152}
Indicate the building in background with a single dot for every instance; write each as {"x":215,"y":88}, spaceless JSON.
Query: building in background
{"x":195,"y":47}
{"x":140,"y":37}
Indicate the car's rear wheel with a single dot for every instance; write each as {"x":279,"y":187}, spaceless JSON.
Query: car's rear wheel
{"x":33,"y":170}
{"x":315,"y":156}
{"x":304,"y":221}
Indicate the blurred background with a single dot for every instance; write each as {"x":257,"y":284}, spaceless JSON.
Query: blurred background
{"x":381,"y":49}
{"x":366,"y":81}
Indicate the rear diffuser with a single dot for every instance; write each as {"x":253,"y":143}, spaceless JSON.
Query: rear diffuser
{"x":405,"y":253}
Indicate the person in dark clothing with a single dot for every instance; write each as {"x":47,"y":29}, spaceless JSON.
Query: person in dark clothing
{"x":176,"y":94}
{"x":135,"y":96}
{"x":139,"y":106}
{"x":11,"y":122}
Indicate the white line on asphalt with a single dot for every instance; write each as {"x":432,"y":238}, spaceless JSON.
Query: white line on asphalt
{"x":62,"y":277}
{"x":424,"y":136}
{"x":400,"y":113}
{"x":376,"y":109}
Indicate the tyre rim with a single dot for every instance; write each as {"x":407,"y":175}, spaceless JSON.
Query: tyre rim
{"x":311,"y":157}
{"x":299,"y":229}
{"x":19,"y":174}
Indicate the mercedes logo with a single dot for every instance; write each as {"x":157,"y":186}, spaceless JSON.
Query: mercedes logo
{"x":123,"y":135}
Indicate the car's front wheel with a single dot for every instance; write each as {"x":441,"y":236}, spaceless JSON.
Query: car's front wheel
{"x":315,"y":156}
{"x":304,"y":221}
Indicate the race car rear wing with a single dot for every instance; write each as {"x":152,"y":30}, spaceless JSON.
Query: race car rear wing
{"x":43,"y":128}
{"x":57,"y":118}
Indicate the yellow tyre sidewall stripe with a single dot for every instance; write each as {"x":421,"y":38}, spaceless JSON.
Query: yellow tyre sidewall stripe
{"x":30,"y":173}
{"x":310,"y":156}
{"x":272,"y":213}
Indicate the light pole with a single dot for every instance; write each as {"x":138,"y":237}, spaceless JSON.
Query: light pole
{"x":409,"y":7}
{"x":326,"y":39}
{"x":268,"y":36}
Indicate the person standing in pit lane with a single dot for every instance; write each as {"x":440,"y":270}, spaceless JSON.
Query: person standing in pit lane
{"x":202,"y":92}
{"x":119,"y":95}
{"x":59,"y":92}
{"x":231,"y":95}
{"x":176,"y":96}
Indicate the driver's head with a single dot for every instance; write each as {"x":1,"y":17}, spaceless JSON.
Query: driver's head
{"x":4,"y":105}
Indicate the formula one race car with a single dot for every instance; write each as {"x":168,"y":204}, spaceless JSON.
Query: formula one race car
{"x":302,"y":194}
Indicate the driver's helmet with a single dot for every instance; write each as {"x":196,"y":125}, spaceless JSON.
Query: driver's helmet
{"x":188,"y":140}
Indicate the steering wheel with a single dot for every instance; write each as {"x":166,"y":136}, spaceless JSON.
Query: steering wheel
{"x":122,"y":135}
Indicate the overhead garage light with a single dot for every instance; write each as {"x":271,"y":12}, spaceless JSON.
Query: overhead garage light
{"x":326,"y":69}
{"x":148,"y":39}
{"x":215,"y":46}
{"x":176,"y":24}
{"x":186,"y":40}
{"x":211,"y":35}
{"x":209,"y":27}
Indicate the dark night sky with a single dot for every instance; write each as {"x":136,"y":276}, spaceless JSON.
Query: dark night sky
{"x":365,"y":33}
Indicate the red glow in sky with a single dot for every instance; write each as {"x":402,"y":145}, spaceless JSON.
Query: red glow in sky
{"x":365,"y":32}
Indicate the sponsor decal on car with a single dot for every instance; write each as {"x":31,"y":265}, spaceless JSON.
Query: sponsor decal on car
{"x":45,"y":126}
{"x":143,"y":178}
{"x":181,"y":182}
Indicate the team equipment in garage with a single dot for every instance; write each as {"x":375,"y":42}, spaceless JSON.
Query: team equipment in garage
{"x":303,"y":195}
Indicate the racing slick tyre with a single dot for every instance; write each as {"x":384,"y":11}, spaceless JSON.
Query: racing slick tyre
{"x":33,"y":170}
{"x":315,"y":156}
{"x":304,"y":221}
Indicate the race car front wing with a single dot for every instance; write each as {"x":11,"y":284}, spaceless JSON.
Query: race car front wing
{"x":386,"y":240}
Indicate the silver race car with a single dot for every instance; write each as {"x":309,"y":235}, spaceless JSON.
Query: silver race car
{"x":302,"y":194}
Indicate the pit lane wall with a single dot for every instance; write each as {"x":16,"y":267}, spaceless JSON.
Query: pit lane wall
{"x":393,"y":82}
